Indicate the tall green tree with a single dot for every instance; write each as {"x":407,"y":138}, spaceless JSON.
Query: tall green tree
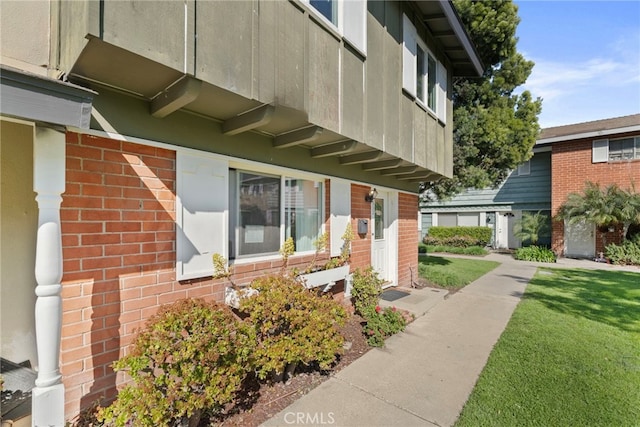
{"x":495,"y":127}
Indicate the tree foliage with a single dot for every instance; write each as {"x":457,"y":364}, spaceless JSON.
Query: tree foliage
{"x":532,"y":226}
{"x":495,"y":127}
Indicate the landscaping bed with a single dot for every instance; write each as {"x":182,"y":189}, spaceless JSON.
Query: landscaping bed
{"x":265,"y":401}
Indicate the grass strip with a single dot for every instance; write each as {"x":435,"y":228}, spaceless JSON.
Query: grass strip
{"x":453,"y":273}
{"x":570,"y":355}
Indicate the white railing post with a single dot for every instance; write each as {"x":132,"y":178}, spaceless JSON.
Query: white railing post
{"x":49,"y":184}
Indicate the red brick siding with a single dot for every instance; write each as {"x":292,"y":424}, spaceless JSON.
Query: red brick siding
{"x":571,"y":168}
{"x":407,"y":238}
{"x":361,"y":245}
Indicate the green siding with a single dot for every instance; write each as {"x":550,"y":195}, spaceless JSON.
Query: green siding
{"x":526,"y":192}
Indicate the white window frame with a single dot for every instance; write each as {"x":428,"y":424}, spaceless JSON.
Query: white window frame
{"x":635,"y":154}
{"x":411,"y":42}
{"x":601,"y":150}
{"x":283,"y":176}
{"x":524,"y":168}
{"x":351,"y":22}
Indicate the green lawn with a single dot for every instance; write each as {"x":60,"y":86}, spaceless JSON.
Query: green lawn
{"x":570,"y":356}
{"x":453,"y":273}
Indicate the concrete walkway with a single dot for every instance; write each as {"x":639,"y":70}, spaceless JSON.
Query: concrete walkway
{"x":423,"y":377}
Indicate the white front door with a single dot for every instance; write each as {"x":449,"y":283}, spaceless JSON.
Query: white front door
{"x":580,"y":240}
{"x":502,"y":227}
{"x":379,"y":236}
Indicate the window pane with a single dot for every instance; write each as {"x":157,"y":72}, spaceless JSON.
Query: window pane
{"x":379,"y":219}
{"x":328,"y":8}
{"x":637,"y":156}
{"x":259,"y":214}
{"x":420,"y":75}
{"x":303,"y":212}
{"x":615,"y":150}
{"x":621,"y":149}
{"x":431,"y":103}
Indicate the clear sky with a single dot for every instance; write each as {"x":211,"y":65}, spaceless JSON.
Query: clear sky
{"x":587,"y":56}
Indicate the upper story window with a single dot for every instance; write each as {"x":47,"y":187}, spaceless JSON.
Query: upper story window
{"x":614,"y":150}
{"x":524,"y":168}
{"x":328,"y":9}
{"x":348,"y":17}
{"x":423,"y":76}
{"x":624,"y":149}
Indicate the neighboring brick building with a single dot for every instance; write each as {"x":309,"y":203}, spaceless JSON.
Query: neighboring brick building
{"x":564,"y":159}
{"x":604,"y":152}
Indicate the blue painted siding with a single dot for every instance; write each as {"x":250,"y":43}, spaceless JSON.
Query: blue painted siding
{"x":518,"y":192}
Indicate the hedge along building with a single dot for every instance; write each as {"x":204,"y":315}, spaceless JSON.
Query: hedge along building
{"x":227,"y":129}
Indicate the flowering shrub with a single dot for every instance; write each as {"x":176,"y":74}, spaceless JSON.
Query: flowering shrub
{"x":382,"y":323}
{"x":366,"y":290}
{"x":292,"y":325}
{"x":191,"y":356}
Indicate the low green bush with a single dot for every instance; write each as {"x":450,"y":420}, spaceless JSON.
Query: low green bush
{"x":190,"y":357}
{"x":422,"y":248}
{"x":366,"y":290}
{"x":471,"y":250}
{"x":628,"y":253}
{"x":382,"y":323}
{"x":458,"y":236}
{"x":535,"y":253}
{"x":292,"y":325}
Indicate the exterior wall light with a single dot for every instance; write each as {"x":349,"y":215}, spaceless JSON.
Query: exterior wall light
{"x":373,"y":193}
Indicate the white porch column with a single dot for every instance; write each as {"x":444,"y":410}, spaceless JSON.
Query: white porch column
{"x":49,"y":184}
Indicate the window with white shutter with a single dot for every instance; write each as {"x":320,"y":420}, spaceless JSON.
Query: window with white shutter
{"x":423,"y":77}
{"x":409,"y":55}
{"x":355,"y":24}
{"x":441,"y":108}
{"x":348,"y":17}
{"x":201,"y":213}
{"x":600,"y":151}
{"x":340,"y":212}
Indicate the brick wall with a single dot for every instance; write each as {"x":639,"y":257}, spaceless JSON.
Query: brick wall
{"x":361,"y":245}
{"x":119,"y":241}
{"x":571,"y":168}
{"x":407,"y":238}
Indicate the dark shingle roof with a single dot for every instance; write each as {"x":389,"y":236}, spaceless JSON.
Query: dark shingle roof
{"x":597,"y":126}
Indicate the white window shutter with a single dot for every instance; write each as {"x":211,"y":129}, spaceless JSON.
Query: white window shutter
{"x":201,"y":213}
{"x":600,"y":151}
{"x":355,"y":24}
{"x":409,"y":54}
{"x":441,"y":97}
{"x":340,"y":208}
